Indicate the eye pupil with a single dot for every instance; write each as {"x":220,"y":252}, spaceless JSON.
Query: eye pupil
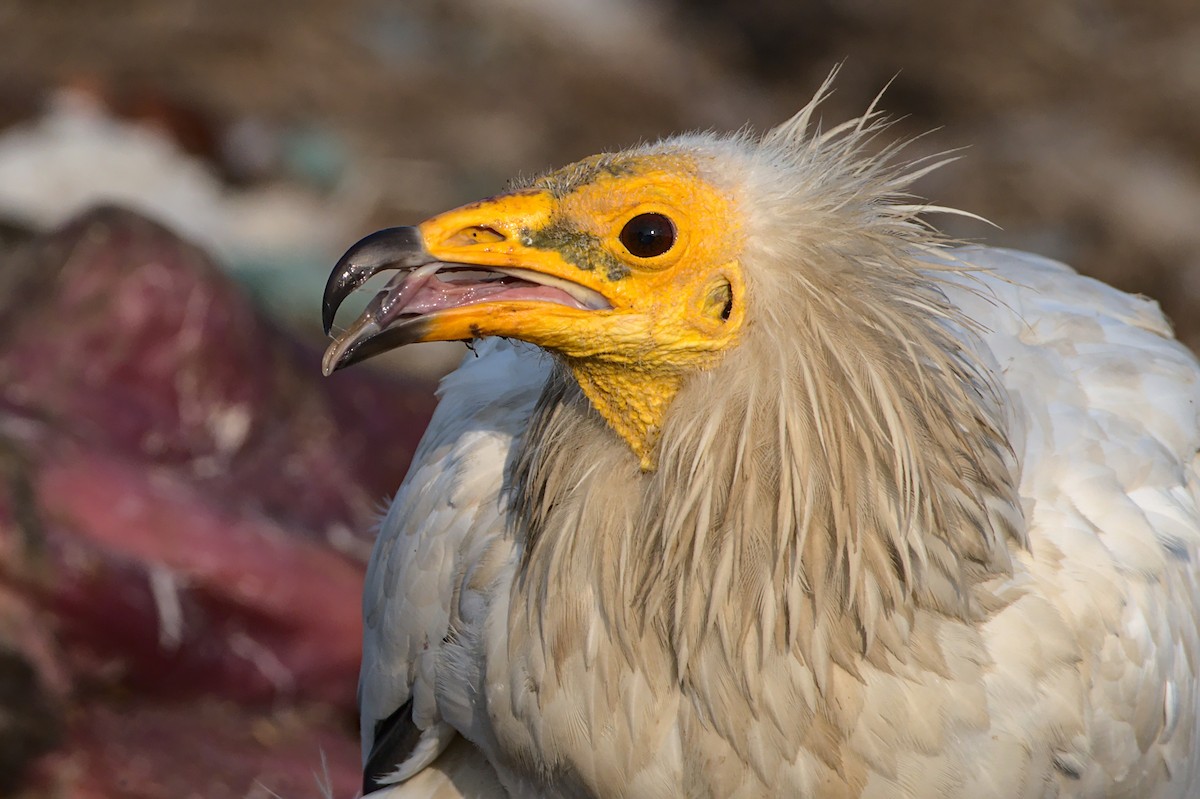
{"x":648,"y":235}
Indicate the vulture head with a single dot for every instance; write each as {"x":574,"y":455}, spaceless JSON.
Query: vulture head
{"x":628,"y":265}
{"x":761,"y":377}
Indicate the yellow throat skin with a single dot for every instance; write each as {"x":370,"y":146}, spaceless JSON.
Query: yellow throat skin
{"x":632,"y":402}
{"x":669,"y":313}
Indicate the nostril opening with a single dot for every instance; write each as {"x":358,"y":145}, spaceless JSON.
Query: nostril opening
{"x":485,"y":235}
{"x":476,"y":234}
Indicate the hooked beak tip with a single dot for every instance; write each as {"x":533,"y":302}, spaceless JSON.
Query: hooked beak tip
{"x":328,"y":311}
{"x":391,"y":248}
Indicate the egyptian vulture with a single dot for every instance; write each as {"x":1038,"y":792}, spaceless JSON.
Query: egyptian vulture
{"x":753,"y":486}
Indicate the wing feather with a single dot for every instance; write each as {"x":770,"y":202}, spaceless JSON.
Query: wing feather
{"x":1109,"y":405}
{"x":449,"y":501}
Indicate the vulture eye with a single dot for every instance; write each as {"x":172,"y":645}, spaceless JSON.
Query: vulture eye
{"x":648,"y":235}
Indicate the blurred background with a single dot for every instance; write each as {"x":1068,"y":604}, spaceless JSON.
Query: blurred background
{"x":185,"y":505}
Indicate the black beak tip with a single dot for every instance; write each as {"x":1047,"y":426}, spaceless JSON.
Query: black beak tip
{"x":394,"y":247}
{"x":328,"y":311}
{"x":348,"y":274}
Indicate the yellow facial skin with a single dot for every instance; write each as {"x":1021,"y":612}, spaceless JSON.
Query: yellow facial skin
{"x":667,"y":310}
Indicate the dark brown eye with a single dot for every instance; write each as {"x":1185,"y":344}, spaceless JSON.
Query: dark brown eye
{"x":648,"y":235}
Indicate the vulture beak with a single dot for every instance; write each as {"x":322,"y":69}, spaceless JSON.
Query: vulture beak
{"x":484,"y":269}
{"x":392,"y":248}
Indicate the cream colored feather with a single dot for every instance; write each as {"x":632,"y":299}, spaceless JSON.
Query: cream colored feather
{"x":931,"y":531}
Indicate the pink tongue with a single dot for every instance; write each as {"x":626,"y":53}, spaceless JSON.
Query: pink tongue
{"x":418,"y":294}
{"x":437,"y":295}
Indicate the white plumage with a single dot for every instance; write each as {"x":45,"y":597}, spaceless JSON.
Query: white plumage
{"x":1057,"y":658}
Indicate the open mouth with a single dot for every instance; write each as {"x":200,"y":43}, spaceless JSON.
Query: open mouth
{"x":425,"y":286}
{"x":439,"y":286}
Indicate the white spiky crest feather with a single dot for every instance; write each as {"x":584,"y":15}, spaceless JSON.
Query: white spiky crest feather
{"x":847,"y":464}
